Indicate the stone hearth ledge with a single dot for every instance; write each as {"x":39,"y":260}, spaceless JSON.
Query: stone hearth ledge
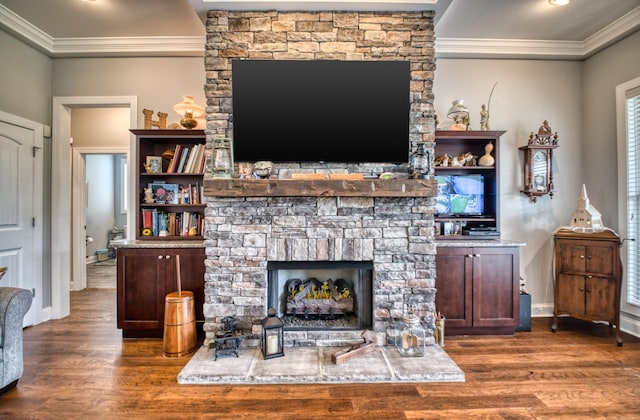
{"x":307,"y":365}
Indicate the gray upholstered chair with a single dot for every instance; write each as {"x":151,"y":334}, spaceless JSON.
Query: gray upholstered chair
{"x":14,"y":304}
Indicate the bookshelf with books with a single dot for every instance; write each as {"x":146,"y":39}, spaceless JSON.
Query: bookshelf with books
{"x":169,"y":173}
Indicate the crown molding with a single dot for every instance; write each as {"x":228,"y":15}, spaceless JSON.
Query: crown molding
{"x":613,"y":32}
{"x":194,"y":46}
{"x":507,"y":48}
{"x":25,"y":30}
{"x":539,"y":49}
{"x":130,"y":46}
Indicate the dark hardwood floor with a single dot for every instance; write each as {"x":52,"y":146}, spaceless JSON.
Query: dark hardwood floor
{"x":80,"y":367}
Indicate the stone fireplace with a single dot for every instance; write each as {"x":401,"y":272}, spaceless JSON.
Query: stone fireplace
{"x":252,"y":225}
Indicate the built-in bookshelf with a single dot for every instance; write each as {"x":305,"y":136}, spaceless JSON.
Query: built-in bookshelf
{"x":170,"y":168}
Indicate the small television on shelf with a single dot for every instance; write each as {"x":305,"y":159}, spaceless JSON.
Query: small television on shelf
{"x":460,"y":195}
{"x":321,"y":111}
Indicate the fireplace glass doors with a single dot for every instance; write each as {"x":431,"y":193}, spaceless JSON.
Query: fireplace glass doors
{"x":322,"y":295}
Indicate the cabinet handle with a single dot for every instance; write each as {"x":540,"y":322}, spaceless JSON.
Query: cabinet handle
{"x":588,"y":290}
{"x":469,"y":255}
{"x":159,"y":257}
{"x":581,"y":289}
{"x":168,"y":257}
{"x":589,"y":257}
{"x":582,"y":256}
{"x":476,"y":255}
{"x":589,"y":276}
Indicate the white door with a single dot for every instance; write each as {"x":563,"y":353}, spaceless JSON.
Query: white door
{"x":21,"y":211}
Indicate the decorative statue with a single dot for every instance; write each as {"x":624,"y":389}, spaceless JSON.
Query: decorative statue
{"x":484,"y":113}
{"x":484,"y":118}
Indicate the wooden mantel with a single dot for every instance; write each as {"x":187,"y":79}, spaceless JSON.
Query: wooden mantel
{"x":319,"y":188}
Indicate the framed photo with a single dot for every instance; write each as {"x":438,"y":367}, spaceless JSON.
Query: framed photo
{"x":165,"y":193}
{"x":154,"y":164}
{"x":437,"y":228}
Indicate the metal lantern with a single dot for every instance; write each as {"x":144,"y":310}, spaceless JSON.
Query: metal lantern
{"x":222,"y":164}
{"x":272,"y":336}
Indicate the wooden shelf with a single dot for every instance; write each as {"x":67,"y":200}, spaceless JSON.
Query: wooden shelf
{"x":319,"y":188}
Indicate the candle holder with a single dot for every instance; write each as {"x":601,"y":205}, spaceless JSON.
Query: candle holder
{"x":272,"y":336}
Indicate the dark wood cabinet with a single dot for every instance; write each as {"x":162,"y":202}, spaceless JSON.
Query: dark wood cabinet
{"x":478,"y":289}
{"x":588,"y":273}
{"x":145,"y":276}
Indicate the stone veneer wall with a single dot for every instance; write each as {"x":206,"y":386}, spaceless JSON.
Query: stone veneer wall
{"x":242,"y":234}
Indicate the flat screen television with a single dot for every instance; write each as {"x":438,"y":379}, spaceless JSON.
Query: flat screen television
{"x":460,"y":195}
{"x":321,"y":111}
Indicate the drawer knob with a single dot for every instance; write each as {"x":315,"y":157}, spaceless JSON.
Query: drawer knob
{"x":159,"y":257}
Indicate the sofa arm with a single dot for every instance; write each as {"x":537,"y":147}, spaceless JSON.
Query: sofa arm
{"x":14,"y":304}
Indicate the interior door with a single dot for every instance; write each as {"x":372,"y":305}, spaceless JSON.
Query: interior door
{"x":20,"y":216}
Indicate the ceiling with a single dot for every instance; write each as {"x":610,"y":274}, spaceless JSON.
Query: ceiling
{"x":464,"y":28}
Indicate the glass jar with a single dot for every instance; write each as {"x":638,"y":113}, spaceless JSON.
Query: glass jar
{"x":412,"y":339}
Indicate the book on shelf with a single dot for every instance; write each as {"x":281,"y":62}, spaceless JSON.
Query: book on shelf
{"x":183,"y":159}
{"x":173,"y":164}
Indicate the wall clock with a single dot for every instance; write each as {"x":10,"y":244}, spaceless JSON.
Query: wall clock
{"x":538,"y":157}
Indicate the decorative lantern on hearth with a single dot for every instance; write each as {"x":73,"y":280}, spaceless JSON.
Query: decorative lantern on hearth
{"x":272,"y":336}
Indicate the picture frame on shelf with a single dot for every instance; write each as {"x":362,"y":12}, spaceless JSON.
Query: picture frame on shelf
{"x":165,"y":193}
{"x":448,"y":228}
{"x":154,"y":164}
{"x":437,"y":228}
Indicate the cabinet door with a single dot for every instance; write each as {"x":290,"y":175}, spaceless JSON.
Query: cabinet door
{"x":140,"y":289}
{"x":454,"y":285}
{"x":600,"y":259}
{"x":191,"y":275}
{"x":571,"y":257}
{"x":600,"y":298}
{"x":570,"y":294}
{"x":496,"y":287}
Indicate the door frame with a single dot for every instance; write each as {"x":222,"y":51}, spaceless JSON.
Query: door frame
{"x":61,"y":245}
{"x":79,"y":201}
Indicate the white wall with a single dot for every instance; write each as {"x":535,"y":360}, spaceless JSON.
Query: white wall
{"x":158,"y":82}
{"x":601,"y":73}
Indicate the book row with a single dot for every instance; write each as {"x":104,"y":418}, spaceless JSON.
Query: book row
{"x":158,"y":223}
{"x":187,"y":159}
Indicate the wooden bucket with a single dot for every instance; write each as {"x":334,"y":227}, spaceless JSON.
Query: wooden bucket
{"x":180,"y":337}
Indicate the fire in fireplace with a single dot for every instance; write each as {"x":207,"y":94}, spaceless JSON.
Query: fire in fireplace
{"x":322,"y":295}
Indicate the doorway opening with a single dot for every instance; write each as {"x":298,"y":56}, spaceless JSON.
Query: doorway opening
{"x":64,"y":268}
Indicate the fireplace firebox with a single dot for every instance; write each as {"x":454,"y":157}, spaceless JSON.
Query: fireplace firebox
{"x":322,"y":295}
